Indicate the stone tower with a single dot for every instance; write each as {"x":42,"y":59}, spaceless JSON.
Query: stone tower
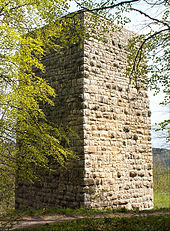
{"x":112,"y":120}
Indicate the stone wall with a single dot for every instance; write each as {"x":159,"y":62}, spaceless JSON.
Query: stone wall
{"x":112,"y":120}
{"x":63,"y":188}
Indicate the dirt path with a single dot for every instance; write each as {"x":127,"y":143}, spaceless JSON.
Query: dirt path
{"x":42,"y":220}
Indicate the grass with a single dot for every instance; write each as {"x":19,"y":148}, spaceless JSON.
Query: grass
{"x":86,"y":212}
{"x":92,"y":223}
{"x":29,"y":211}
{"x":161,"y":200}
{"x":161,"y":186}
{"x":140,"y":223}
{"x":129,"y":220}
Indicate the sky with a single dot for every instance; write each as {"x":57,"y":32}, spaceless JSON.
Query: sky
{"x":159,"y":112}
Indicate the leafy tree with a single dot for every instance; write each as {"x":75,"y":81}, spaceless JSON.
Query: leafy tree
{"x":154,"y":43}
{"x":28,"y":142}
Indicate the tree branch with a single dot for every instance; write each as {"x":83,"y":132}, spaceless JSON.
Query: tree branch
{"x":15,"y":8}
{"x":3,"y":8}
{"x":156,"y":3}
{"x":108,"y":7}
{"x":139,"y":52}
{"x":153,"y":19}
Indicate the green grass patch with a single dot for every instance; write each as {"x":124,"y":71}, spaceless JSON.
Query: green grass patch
{"x":161,"y":173}
{"x":67,"y":211}
{"x":161,"y":200}
{"x":139,"y":223}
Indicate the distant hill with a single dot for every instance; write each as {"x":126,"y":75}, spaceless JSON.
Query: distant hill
{"x":161,"y":156}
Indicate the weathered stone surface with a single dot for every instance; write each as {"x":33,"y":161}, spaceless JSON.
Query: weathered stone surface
{"x":133,"y":174}
{"x":112,"y":120}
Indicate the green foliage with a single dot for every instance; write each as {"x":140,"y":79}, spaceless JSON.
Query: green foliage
{"x":28,"y":142}
{"x":161,"y":178}
{"x":161,"y":200}
{"x":141,"y":223}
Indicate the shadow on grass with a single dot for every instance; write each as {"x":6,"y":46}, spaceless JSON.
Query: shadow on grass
{"x":140,"y":223}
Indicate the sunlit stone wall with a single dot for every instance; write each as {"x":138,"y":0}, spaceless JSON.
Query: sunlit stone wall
{"x":112,"y":120}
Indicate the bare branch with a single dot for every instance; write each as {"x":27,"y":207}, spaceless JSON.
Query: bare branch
{"x":105,"y":3}
{"x":108,"y":7}
{"x":151,"y":18}
{"x":157,"y":3}
{"x":140,"y":50}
